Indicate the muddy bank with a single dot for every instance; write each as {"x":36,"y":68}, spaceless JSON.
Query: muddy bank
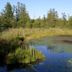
{"x":63,"y":39}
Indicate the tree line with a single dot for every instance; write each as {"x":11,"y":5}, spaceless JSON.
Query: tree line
{"x":17,"y":16}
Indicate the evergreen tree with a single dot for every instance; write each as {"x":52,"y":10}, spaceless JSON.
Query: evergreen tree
{"x":7,"y":17}
{"x":44,"y":22}
{"x":52,"y":18}
{"x":37,"y":23}
{"x":22,"y":16}
{"x":64,"y":20}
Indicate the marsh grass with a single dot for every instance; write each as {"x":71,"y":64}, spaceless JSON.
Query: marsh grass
{"x":15,"y":49}
{"x":34,"y":33}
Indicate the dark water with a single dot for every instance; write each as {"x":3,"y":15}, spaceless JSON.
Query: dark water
{"x":57,"y":56}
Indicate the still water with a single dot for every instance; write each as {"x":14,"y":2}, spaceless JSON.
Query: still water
{"x":57,"y":54}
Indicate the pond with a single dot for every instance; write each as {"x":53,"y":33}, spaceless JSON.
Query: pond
{"x":58,"y":52}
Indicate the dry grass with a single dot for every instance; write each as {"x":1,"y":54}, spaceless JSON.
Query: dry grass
{"x":34,"y":33}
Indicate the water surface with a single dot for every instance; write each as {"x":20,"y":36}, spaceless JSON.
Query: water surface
{"x":57,"y":54}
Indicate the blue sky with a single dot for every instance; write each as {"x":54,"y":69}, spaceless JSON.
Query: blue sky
{"x":38,"y":8}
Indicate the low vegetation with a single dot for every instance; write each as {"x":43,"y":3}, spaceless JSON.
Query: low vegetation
{"x":34,"y":33}
{"x":23,"y":56}
{"x":17,"y":50}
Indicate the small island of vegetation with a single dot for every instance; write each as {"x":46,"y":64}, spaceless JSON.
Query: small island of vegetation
{"x":16,"y":51}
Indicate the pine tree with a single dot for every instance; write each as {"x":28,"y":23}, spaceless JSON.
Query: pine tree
{"x":22,"y":16}
{"x":52,"y":18}
{"x":7,"y":16}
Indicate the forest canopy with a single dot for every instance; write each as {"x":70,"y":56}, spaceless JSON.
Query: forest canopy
{"x":17,"y":16}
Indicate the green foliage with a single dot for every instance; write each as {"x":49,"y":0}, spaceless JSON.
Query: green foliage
{"x":7,"y":19}
{"x":37,"y":23}
{"x":24,"y":56}
{"x":52,"y":17}
{"x":8,"y":15}
{"x":64,"y":20}
{"x":70,"y":22}
{"x":18,"y":16}
{"x":17,"y":50}
{"x":11,"y":58}
{"x":22,"y":15}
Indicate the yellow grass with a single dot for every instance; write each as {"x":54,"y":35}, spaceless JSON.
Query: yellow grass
{"x":34,"y":33}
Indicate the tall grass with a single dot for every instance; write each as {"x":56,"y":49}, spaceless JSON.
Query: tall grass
{"x":15,"y":49}
{"x":34,"y":33}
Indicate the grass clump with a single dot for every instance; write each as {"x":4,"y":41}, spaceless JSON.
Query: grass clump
{"x":34,"y":33}
{"x":25,"y":56}
{"x":16,"y":50}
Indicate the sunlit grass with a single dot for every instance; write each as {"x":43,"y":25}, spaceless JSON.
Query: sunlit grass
{"x":34,"y":33}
